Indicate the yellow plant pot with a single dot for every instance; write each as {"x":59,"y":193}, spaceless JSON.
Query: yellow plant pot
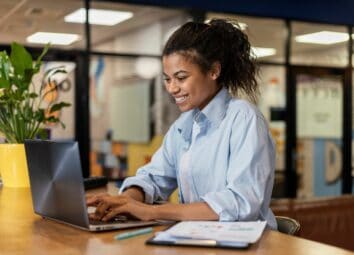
{"x":13,"y":165}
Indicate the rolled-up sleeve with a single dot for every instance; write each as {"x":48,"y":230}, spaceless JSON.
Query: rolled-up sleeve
{"x":250,"y":173}
{"x":157,"y":178}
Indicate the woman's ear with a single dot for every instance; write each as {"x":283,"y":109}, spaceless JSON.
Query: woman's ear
{"x":215,"y":70}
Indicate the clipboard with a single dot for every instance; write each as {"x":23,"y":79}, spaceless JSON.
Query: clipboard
{"x":232,"y":235}
{"x":198,"y":243}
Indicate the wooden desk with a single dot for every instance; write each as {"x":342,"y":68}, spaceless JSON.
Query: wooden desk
{"x":23,"y":232}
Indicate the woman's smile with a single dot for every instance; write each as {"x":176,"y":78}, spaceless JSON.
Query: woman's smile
{"x":180,"y":100}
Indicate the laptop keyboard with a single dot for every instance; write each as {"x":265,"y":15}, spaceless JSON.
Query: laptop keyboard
{"x":117,"y":219}
{"x":95,"y":182}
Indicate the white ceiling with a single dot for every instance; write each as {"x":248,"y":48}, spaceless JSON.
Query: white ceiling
{"x":21,"y":18}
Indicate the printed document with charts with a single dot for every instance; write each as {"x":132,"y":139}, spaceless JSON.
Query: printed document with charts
{"x":232,"y":234}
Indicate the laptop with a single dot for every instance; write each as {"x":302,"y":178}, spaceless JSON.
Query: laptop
{"x":57,"y":186}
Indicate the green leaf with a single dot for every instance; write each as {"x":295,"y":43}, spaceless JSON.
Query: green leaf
{"x":4,"y":70}
{"x":33,"y":95}
{"x":27,"y":78}
{"x":58,"y":106}
{"x":39,"y":115}
{"x":38,"y":63}
{"x":20,"y":58}
{"x":18,"y":96}
{"x":4,"y":83}
{"x":42,"y":134}
{"x":51,"y":119}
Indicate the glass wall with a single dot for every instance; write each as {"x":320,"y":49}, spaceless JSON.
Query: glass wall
{"x":129,"y":109}
{"x":319,"y":106}
{"x":319,"y":44}
{"x":272,"y":104}
{"x":267,"y":36}
{"x":319,"y":118}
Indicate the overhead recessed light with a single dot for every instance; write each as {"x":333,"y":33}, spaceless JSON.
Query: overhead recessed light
{"x":323,"y":37}
{"x":260,"y":52}
{"x":98,"y":17}
{"x":53,"y":38}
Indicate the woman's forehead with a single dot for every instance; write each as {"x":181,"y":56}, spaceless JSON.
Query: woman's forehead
{"x":177,"y":61}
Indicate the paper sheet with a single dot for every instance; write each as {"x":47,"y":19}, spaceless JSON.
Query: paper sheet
{"x":247,"y":232}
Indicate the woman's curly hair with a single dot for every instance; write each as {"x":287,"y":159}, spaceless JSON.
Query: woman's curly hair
{"x":218,"y":41}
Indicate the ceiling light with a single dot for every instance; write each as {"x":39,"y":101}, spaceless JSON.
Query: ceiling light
{"x":263,"y":52}
{"x":53,"y":38}
{"x":323,"y":37}
{"x":98,"y":17}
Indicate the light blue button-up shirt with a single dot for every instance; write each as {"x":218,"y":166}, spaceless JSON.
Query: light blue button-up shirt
{"x":231,"y":162}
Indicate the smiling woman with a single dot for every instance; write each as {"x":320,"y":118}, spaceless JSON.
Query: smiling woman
{"x":219,"y":152}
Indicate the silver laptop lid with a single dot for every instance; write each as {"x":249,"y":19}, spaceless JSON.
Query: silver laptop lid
{"x":56,"y":181}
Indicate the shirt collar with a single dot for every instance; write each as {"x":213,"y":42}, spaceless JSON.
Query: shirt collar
{"x":216,"y":109}
{"x":213,"y":112}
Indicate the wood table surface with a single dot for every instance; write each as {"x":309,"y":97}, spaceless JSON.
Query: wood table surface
{"x":23,"y":232}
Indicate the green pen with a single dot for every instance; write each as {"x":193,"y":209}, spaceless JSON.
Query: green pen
{"x":133,"y":233}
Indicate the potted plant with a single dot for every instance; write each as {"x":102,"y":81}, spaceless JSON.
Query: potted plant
{"x":23,"y":113}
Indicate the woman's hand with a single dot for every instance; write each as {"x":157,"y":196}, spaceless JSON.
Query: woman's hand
{"x":108,"y":207}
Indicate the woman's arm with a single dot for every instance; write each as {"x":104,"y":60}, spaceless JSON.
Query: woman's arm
{"x":157,"y":179}
{"x":107,"y":207}
{"x":179,"y":212}
{"x":136,"y":193}
{"x":250,"y":173}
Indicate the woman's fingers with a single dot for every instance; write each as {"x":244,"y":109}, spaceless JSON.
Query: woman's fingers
{"x":104,"y":205}
{"x":93,"y":200}
{"x":113,"y":213}
{"x":107,"y":207}
{"x":92,"y":216}
{"x":135,"y":209}
{"x":102,"y":209}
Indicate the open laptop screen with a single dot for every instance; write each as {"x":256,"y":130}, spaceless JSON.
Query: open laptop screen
{"x":56,"y":180}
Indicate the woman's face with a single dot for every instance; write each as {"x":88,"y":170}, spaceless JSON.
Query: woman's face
{"x":187,"y":84}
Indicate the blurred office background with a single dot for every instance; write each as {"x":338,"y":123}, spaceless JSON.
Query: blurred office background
{"x":121,"y":111}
